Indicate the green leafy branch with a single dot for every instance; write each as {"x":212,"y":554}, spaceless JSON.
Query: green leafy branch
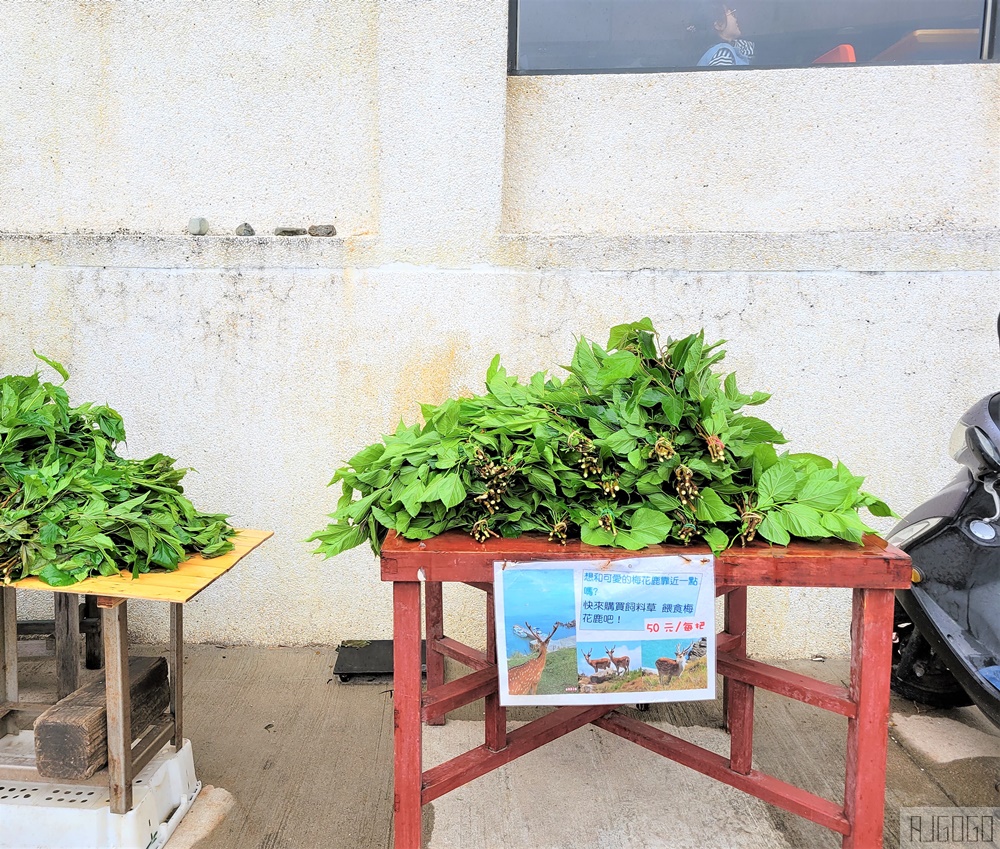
{"x":70,"y":507}
{"x":640,"y":444}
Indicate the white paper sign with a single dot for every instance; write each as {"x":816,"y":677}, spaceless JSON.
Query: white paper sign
{"x":629,"y":631}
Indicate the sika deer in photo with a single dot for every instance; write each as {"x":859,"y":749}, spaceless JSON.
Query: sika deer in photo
{"x":669,"y":669}
{"x":621,"y":662}
{"x":523,"y":680}
{"x":601,"y":666}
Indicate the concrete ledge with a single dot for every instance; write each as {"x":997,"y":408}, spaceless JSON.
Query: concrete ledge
{"x":725,"y":252}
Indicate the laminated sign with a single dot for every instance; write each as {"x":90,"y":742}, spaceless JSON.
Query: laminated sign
{"x":606,"y":631}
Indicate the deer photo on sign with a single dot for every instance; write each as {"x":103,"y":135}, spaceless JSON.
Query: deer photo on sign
{"x":638,"y":629}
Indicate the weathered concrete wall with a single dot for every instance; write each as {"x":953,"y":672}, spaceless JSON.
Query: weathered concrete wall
{"x":837,"y":226}
{"x":138,"y":116}
{"x":829,"y":149}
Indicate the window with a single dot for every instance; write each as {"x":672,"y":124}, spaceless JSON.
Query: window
{"x":576,"y":36}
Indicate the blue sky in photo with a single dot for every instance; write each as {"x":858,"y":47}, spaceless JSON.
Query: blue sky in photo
{"x":540,"y":597}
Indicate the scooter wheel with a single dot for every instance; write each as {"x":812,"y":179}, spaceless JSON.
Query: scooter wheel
{"x":917,"y":672}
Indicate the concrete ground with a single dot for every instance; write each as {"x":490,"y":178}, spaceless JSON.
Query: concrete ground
{"x":292,"y":758}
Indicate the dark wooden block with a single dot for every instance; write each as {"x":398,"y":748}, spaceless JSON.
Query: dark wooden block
{"x":71,"y":737}
{"x":370,"y":657}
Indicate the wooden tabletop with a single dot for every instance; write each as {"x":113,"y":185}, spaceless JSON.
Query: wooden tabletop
{"x":455,"y":556}
{"x":179,"y":586}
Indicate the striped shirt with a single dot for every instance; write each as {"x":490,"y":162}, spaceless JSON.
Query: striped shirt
{"x":726,"y":54}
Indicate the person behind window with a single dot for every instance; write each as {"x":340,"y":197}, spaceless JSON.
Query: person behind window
{"x":718,"y":20}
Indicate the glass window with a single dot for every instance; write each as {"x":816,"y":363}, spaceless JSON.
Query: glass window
{"x":556,"y":36}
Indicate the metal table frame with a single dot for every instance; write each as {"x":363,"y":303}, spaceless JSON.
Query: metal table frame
{"x":125,"y":760}
{"x":873,"y":571}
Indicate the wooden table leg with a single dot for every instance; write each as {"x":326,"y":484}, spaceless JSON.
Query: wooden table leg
{"x":176,"y":660}
{"x":735,"y":624}
{"x":8,"y":657}
{"x":407,"y":742}
{"x":93,"y":642}
{"x":496,"y":714}
{"x":434,"y":617}
{"x":67,"y":634}
{"x":867,"y":736}
{"x":115,"y":626}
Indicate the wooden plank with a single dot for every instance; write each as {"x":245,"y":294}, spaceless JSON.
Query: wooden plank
{"x":867,"y":734}
{"x":29,"y":710}
{"x":176,"y":661}
{"x":455,"y":694}
{"x":105,"y":602}
{"x":727,"y":643}
{"x":181,"y":585}
{"x":8,"y":656}
{"x":434,"y":624}
{"x":147,"y":746}
{"x":407,"y":745}
{"x":479,"y":761}
{"x":763,"y":786}
{"x":67,"y":634}
{"x":114,"y":621}
{"x":71,"y":737}
{"x":455,"y":556}
{"x":467,"y":656}
{"x":789,"y":684}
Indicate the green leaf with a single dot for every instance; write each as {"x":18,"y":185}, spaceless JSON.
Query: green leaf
{"x":773,"y":530}
{"x":814,"y":460}
{"x":338,"y":538}
{"x":620,"y":443}
{"x":62,"y":373}
{"x":55,"y":577}
{"x":618,"y":366}
{"x":585,"y":364}
{"x":716,"y":539}
{"x":596,"y":536}
{"x":803,"y":521}
{"x":649,"y":527}
{"x":757,"y":430}
{"x":877,"y":507}
{"x":823,"y":494}
{"x":776,"y":485}
{"x":413,"y":497}
{"x":451,"y":491}
{"x":711,"y":508}
{"x":366,"y":456}
{"x":622,"y":333}
{"x":493,"y":368}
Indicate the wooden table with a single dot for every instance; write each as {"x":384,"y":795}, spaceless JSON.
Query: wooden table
{"x":873,"y":571}
{"x":113,"y":593}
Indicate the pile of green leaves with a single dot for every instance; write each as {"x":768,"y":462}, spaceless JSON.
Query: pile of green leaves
{"x":640,"y":444}
{"x":70,"y":507}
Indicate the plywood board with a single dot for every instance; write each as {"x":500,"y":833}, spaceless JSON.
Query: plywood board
{"x":179,"y":586}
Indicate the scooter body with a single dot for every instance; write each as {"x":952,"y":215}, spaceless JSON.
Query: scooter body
{"x":947,"y":650}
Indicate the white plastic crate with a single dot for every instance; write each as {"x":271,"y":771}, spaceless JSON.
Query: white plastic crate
{"x":48,"y":815}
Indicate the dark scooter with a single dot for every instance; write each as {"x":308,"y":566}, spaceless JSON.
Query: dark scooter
{"x":946,"y":650}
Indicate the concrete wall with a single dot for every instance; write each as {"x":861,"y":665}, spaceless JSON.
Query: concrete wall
{"x":837,"y":225}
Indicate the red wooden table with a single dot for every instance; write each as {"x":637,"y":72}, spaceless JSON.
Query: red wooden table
{"x":872,"y":571}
